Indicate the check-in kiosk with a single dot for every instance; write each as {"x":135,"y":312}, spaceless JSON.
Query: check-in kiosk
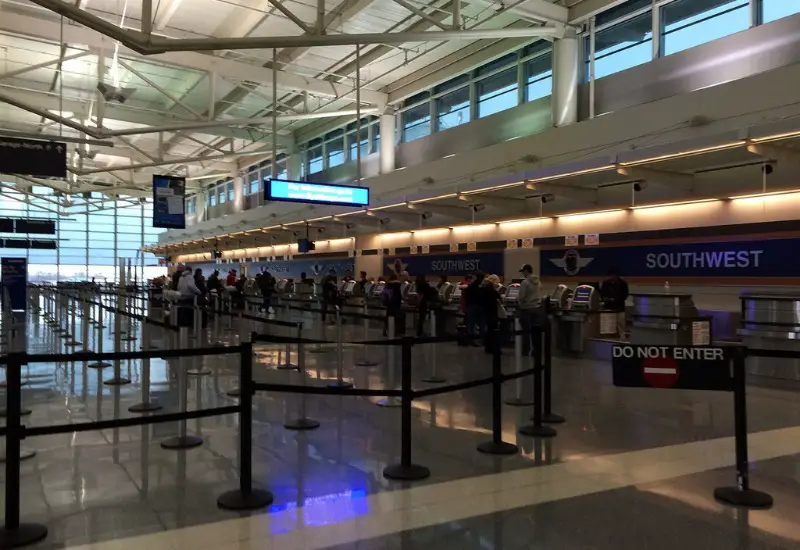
{"x":511,"y":296}
{"x":280,"y":286}
{"x":446,"y":292}
{"x":669,"y":319}
{"x":304,"y":290}
{"x":772,"y":322}
{"x":368,"y":287}
{"x":573,"y":327}
{"x":406,"y":288}
{"x":561,"y":298}
{"x":347,"y":288}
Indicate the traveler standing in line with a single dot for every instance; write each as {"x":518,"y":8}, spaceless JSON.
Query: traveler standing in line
{"x":231,"y":279}
{"x":529,"y":302}
{"x":214,"y":284}
{"x":614,"y":293}
{"x":392,"y":299}
{"x":267,"y":287}
{"x":188,"y":290}
{"x":424,"y":301}
{"x":330,"y":293}
{"x":176,"y":277}
{"x":490,"y":306}
{"x":474,"y":310}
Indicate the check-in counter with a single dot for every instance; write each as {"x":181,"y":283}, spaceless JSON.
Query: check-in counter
{"x":668,"y":319}
{"x":771,"y":322}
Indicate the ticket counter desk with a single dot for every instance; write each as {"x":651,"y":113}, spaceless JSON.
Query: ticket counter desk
{"x":668,"y":319}
{"x":771,"y":322}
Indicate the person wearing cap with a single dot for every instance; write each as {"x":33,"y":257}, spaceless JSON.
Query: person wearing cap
{"x":529,"y":302}
{"x":614,"y":293}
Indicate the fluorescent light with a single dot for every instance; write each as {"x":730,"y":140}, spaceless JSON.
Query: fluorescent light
{"x":590,"y":213}
{"x":774,"y":137}
{"x":679,"y":203}
{"x":495,"y":188}
{"x":448,"y":156}
{"x":462,"y":228}
{"x":385,"y":207}
{"x":447,"y":196}
{"x":689,"y":152}
{"x":769,"y":194}
{"x":427,"y":232}
{"x":320,"y":218}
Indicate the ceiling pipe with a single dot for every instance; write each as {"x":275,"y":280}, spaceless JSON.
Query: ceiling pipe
{"x":166,"y":162}
{"x":49,"y":137}
{"x":52,"y":116}
{"x":145,"y":45}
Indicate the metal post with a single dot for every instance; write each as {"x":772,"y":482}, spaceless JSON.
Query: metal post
{"x":117,"y":380}
{"x":518,"y":401}
{"x":390,"y":401}
{"x":497,"y":446}
{"x":245,"y":498}
{"x":433,"y":378}
{"x":537,"y":429}
{"x":85,"y":315}
{"x":288,"y":365}
{"x":317,"y":348}
{"x":197,"y":369}
{"x":549,"y":417}
{"x":406,"y":470}
{"x":302,"y":422}
{"x":71,"y":341}
{"x":182,"y":440}
{"x":146,"y":405}
{"x":13,"y":533}
{"x":340,"y":383}
{"x":366,"y":361}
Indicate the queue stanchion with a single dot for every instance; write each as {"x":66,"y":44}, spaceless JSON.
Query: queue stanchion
{"x":146,"y":405}
{"x":339,"y":383}
{"x":72,"y":340}
{"x":537,"y":429}
{"x":182,"y":440}
{"x":741,"y":494}
{"x":302,"y":422}
{"x":518,"y":400}
{"x":317,"y":347}
{"x":287,"y":348}
{"x":406,"y":470}
{"x":433,"y":378}
{"x":14,"y":534}
{"x":129,"y":329}
{"x":197,"y":323}
{"x":245,"y":497}
{"x":497,"y":446}
{"x":118,"y":379}
{"x":99,"y":346}
{"x":548,"y":416}
{"x":366,"y":361}
{"x":85,"y":317}
{"x":390,"y":401}
{"x":216,"y":328}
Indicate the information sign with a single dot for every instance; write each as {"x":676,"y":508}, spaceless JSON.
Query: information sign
{"x":676,"y":367}
{"x":315,"y":193}
{"x":169,"y":195}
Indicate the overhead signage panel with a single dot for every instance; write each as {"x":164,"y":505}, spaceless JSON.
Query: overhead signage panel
{"x":33,"y":157}
{"x":37,"y":227}
{"x":169,"y":200}
{"x":763,"y":258}
{"x":315,"y":193}
{"x":15,"y":281}
{"x":445,"y":264}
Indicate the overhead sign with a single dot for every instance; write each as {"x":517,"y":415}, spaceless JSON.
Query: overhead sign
{"x":38,"y":227}
{"x":676,"y":367}
{"x":591,"y":239}
{"x":33,"y":157}
{"x":570,"y":240}
{"x":315,"y":193}
{"x":14,"y":273}
{"x":169,"y":196}
{"x":291,"y":269}
{"x":445,"y":264}
{"x":763,"y":258}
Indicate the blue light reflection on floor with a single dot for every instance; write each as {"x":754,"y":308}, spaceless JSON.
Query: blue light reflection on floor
{"x":349,"y":504}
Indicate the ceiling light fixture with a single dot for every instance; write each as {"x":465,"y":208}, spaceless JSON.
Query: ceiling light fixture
{"x":678,"y":203}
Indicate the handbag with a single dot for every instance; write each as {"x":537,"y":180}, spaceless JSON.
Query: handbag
{"x":501,"y":311}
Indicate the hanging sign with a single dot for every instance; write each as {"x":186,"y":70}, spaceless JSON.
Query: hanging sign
{"x":15,"y":281}
{"x":426,"y":249}
{"x":33,"y":157}
{"x":570,"y":240}
{"x":472,"y":246}
{"x":413,"y":250}
{"x":169,"y":196}
{"x":527,"y":243}
{"x":512,"y":243}
{"x":453,"y":247}
{"x":591,"y":239}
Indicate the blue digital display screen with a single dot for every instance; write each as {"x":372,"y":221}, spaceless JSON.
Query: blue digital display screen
{"x":315,"y":193}
{"x":169,"y":194}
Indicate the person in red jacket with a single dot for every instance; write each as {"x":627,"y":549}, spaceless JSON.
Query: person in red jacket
{"x":230,"y":280}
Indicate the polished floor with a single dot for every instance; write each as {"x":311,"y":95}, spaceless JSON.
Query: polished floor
{"x":631,"y":468}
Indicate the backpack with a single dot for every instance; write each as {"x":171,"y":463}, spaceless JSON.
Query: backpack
{"x":386,"y":296}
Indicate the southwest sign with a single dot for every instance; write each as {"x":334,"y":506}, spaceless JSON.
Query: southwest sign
{"x":676,"y":367}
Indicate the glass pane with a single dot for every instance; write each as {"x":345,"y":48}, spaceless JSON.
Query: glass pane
{"x":212,"y":199}
{"x":315,"y":160}
{"x":539,"y":77}
{"x":452,"y":109}
{"x":254,"y":187}
{"x":335,"y":151}
{"x":775,"y":9}
{"x":689,"y":23}
{"x":497,"y":93}
{"x":222,"y":197}
{"x":618,"y":12}
{"x":352,"y":145}
{"x":623,"y":46}
{"x":416,"y":122}
{"x":230,"y":191}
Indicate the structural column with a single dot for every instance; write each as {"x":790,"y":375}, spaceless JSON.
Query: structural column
{"x":566,"y":71}
{"x":387,"y":145}
{"x":200,"y":199}
{"x":238,"y":191}
{"x":294,"y":163}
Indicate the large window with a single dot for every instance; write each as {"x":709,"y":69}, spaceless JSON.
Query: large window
{"x":689,"y":23}
{"x":334,"y":149}
{"x":539,"y":77}
{"x":222,"y":195}
{"x":497,"y":93}
{"x":353,"y":142}
{"x":231,"y":192}
{"x":452,"y":109}
{"x":212,"y":197}
{"x":416,"y":122}
{"x":776,"y":9}
{"x":254,"y":185}
{"x":315,"y":156}
{"x":623,"y":46}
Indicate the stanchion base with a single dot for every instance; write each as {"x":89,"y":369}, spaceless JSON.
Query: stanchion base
{"x":389,"y":402}
{"x":198,"y":372}
{"x":412,"y":472}
{"x":234,"y":393}
{"x":145,"y":407}
{"x":538,"y":431}
{"x":553,"y":419}
{"x":434,"y":380}
{"x":181,"y":442}
{"x":116,"y":381}
{"x":749,"y":498}
{"x":24,"y":535}
{"x":99,"y":365}
{"x":367,"y":363}
{"x":301,"y":424}
{"x":501,"y":448}
{"x":22,"y":412}
{"x":287,"y":366}
{"x":518,"y":402}
{"x":340,"y":384}
{"x":251,"y":500}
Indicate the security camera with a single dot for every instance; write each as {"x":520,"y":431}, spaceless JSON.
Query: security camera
{"x":478,"y":207}
{"x":427,"y":215}
{"x":548,"y":197}
{"x":767,"y":169}
{"x":320,"y":230}
{"x":639,"y":186}
{"x":84,"y":154}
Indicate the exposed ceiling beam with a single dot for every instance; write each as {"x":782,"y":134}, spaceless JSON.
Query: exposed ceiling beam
{"x":659,"y":177}
{"x":775,"y":152}
{"x":585,"y":9}
{"x":505,"y":203}
{"x":566,"y":191}
{"x":443,"y":210}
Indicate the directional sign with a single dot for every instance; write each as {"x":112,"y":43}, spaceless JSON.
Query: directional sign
{"x":33,"y":158}
{"x":676,"y":367}
{"x":15,"y":281}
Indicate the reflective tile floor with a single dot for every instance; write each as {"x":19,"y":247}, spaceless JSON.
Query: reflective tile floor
{"x":631,"y":468}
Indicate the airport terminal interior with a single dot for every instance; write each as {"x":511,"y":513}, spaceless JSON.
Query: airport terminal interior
{"x":400,"y":274}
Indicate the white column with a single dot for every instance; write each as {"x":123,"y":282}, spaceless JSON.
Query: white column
{"x":566,"y":65}
{"x":238,"y":192}
{"x":387,"y":145}
{"x":200,"y":200}
{"x":294,"y":163}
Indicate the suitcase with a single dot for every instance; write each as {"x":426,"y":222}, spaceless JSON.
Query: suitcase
{"x":462,"y":338}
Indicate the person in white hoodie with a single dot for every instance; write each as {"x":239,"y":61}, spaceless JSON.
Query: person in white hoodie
{"x":529,"y":301}
{"x":188,"y":290}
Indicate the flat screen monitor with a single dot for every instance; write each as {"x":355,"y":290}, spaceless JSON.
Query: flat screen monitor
{"x":315,"y":193}
{"x":304,"y":245}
